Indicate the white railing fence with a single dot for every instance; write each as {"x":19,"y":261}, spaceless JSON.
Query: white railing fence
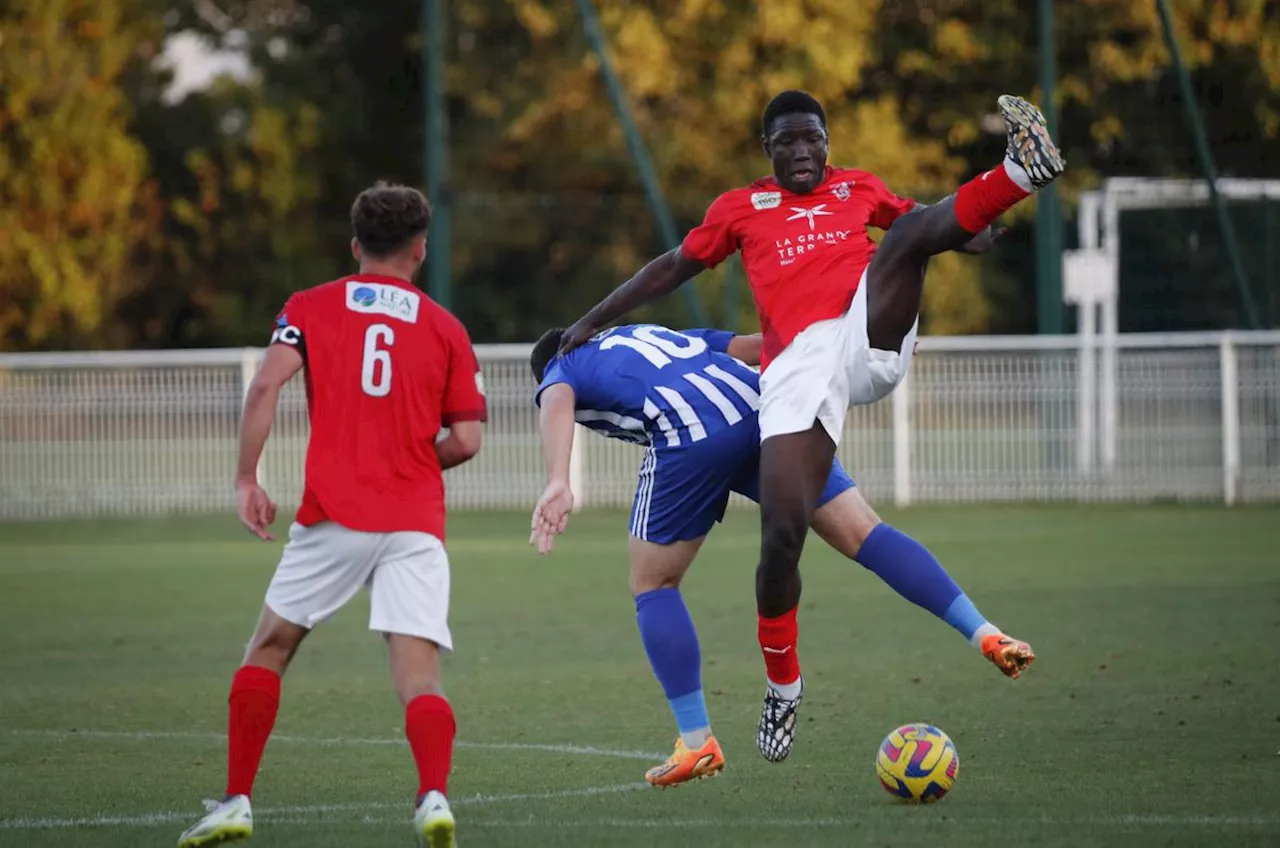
{"x":1187,"y":416}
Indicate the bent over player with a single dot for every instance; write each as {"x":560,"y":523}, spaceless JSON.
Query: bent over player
{"x":839,"y":319}
{"x":688,"y":399}
{"x":385,"y":368}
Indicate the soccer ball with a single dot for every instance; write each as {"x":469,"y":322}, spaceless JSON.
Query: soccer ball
{"x":917,"y":763}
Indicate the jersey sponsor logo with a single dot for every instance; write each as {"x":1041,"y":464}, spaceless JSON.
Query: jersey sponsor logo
{"x":809,"y":214}
{"x":842,"y":191}
{"x":287,"y":334}
{"x":762,"y":200}
{"x":791,"y":248}
{"x":479,"y":382}
{"x":382,"y":299}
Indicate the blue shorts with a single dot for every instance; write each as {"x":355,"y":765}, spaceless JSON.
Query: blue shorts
{"x":683,"y":491}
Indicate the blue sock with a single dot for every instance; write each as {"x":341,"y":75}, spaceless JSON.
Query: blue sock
{"x":915,"y":574}
{"x":671,"y":642}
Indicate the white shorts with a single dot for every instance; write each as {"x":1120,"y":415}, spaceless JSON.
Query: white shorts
{"x":827,"y":368}
{"x":324,"y":565}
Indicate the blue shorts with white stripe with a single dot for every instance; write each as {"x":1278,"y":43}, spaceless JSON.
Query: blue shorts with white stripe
{"x":683,"y":490}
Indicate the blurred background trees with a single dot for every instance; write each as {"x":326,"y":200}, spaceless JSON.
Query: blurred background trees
{"x":138,"y":212}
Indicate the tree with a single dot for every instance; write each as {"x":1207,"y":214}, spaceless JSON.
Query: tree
{"x":75,"y":202}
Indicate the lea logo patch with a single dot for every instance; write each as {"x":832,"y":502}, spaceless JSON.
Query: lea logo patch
{"x":382,"y":299}
{"x":762,"y":200}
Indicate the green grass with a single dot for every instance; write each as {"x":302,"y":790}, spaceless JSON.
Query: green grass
{"x":1151,"y":718}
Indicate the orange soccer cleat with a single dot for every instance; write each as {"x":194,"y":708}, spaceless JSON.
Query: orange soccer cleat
{"x":1009,"y":655}
{"x":685,"y":764}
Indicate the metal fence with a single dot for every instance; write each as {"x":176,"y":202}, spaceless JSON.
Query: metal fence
{"x":1190,"y":416}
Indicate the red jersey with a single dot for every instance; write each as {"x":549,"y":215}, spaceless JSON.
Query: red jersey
{"x":386,"y":368}
{"x":804,"y":253}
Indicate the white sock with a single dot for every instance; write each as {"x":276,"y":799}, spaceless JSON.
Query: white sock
{"x":1018,"y":174}
{"x":695,"y":739}
{"x":985,"y":630}
{"x":787,"y":691}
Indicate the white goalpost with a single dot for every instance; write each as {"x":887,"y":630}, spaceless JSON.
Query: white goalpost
{"x":1091,"y":281}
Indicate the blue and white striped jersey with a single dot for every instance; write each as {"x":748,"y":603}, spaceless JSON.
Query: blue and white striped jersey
{"x":656,"y":386}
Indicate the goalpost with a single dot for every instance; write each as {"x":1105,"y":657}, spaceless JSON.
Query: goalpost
{"x":1091,"y":282}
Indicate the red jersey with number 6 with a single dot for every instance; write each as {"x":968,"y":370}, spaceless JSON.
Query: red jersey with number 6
{"x":804,"y":253}
{"x":385,"y":368}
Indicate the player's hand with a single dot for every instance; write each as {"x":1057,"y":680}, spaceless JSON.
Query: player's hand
{"x":256,"y":510}
{"x":550,"y":515}
{"x":578,"y":334}
{"x":983,"y":241}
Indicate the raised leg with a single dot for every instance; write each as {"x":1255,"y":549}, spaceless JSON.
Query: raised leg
{"x":895,"y":277}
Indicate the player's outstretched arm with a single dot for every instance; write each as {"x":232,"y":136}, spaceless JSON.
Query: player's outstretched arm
{"x":556,"y":427}
{"x":462,"y":443}
{"x":661,"y":276}
{"x":255,"y":509}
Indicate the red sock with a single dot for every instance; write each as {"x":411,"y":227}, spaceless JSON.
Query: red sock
{"x":986,"y":197}
{"x":429,"y":726}
{"x":252,"y":706}
{"x":778,"y":644}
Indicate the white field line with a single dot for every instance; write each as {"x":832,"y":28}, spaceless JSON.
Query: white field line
{"x":144,"y":735}
{"x":306,"y":814}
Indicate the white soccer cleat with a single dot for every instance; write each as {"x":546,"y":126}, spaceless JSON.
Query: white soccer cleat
{"x":225,"y":821}
{"x":433,"y":822}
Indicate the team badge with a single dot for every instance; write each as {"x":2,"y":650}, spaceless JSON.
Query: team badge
{"x":841,"y":191}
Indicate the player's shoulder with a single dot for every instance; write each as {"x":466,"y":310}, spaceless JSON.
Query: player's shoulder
{"x":320,"y":294}
{"x":854,"y":175}
{"x":764,"y":193}
{"x":442,"y":319}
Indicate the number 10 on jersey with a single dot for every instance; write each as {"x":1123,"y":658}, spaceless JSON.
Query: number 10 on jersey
{"x":375,"y":366}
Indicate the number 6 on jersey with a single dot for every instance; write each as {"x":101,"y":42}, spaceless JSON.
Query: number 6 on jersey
{"x":375,"y":366}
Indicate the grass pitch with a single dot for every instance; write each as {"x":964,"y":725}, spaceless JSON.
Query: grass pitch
{"x":1152,"y":716}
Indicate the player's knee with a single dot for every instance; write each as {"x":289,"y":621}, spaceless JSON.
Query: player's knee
{"x":782,"y":540}
{"x":411,"y":688}
{"x":904,"y":240}
{"x":273,"y":647}
{"x":645,"y":582}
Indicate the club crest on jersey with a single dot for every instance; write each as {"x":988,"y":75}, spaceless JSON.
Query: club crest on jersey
{"x":842,"y":191}
{"x":766,"y":199}
{"x":382,"y":299}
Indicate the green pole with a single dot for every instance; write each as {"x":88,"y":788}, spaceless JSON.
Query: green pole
{"x":639,"y":153}
{"x":1268,"y":260}
{"x":1048,"y":207}
{"x":1207,"y":166}
{"x":436,"y":153}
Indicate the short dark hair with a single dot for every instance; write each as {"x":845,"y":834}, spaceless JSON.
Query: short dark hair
{"x":544,"y":350}
{"x":791,"y":102}
{"x":386,"y":217}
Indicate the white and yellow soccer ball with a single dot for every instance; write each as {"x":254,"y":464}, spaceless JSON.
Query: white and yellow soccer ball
{"x":917,"y":763}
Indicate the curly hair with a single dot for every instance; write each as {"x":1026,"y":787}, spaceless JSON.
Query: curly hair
{"x":386,"y":217}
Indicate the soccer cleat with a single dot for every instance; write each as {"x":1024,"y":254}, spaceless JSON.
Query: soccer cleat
{"x":1009,"y":655}
{"x":1029,"y":142}
{"x":433,"y":822}
{"x":777,"y":729}
{"x":225,"y":821}
{"x":684,"y":765}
